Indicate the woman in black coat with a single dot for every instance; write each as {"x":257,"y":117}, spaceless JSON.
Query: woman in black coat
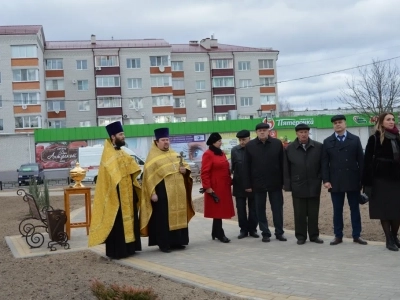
{"x":381,"y":177}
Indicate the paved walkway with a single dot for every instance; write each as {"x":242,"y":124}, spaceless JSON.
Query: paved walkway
{"x":254,"y":270}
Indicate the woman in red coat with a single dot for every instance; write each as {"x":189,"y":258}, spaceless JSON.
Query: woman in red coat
{"x":216,"y":177}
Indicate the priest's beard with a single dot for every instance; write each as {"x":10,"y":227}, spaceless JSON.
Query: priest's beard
{"x":119,"y":143}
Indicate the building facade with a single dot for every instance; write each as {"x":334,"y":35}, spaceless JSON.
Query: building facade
{"x":45,"y":84}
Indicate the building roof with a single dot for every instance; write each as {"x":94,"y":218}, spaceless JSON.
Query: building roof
{"x":196,"y":48}
{"x":20,"y":29}
{"x":104,"y":44}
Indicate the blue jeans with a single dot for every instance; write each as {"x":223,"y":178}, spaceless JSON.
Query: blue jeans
{"x":247,"y":223}
{"x":276,"y":201}
{"x":338,"y":203}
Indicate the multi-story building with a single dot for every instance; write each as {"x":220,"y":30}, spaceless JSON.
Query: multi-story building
{"x":53,"y":84}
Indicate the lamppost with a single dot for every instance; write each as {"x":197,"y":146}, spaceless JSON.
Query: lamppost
{"x":259,"y":112}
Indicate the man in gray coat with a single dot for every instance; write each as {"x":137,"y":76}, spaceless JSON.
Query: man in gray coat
{"x":302,"y":176}
{"x":247,"y":222}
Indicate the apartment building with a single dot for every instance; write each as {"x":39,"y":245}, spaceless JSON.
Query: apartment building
{"x":56,"y":84}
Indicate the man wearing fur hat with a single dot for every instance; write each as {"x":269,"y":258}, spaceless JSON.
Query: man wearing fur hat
{"x":166,"y":206}
{"x":302,"y":176}
{"x":116,"y":199}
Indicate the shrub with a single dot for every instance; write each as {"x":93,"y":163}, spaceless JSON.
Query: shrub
{"x":117,"y":292}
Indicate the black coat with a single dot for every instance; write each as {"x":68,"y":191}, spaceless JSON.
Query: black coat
{"x":383,"y":175}
{"x":302,"y":169}
{"x":264,"y":165}
{"x":237,"y":168}
{"x":342,"y":163}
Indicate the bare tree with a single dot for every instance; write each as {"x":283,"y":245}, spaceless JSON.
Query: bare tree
{"x":375,"y":90}
{"x":285,"y":109}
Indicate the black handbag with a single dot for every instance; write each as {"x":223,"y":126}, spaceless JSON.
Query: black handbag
{"x":363,"y":198}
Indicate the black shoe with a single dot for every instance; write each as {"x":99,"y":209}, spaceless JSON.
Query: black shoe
{"x":391,"y":245}
{"x":242,"y":235}
{"x":213,"y":236}
{"x":396,"y":241}
{"x":360,"y":241}
{"x":281,"y":238}
{"x":178,"y":247}
{"x":336,"y":241}
{"x":317,"y":240}
{"x":254,"y":234}
{"x":266,"y":239}
{"x":165,"y":250}
{"x":224,"y":239}
{"x":301,"y":242}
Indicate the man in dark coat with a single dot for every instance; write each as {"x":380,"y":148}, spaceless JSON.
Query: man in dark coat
{"x":302,"y":176}
{"x":247,"y":222}
{"x":263,"y":171}
{"x":342,"y":165}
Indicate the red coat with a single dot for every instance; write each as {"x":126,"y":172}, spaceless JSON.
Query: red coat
{"x":215,"y":174}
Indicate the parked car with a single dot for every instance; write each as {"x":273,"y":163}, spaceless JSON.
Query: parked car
{"x":27,"y":171}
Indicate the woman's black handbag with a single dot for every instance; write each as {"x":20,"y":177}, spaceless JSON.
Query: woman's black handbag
{"x":363,"y":198}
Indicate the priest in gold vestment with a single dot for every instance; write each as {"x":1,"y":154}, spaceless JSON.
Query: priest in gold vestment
{"x":166,"y":206}
{"x":116,"y":200}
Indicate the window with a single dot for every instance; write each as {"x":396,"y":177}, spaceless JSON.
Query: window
{"x":177,"y":65}
{"x":27,"y":122}
{"x":26,"y":75}
{"x":135,"y":103}
{"x":104,"y":121}
{"x":202,"y":119}
{"x":245,"y":83}
{"x":267,"y":81}
{"x":26,"y":98}
{"x":241,"y":116}
{"x":84,"y":123}
{"x":25,"y":51}
{"x":179,"y":102}
{"x":224,"y":100}
{"x":162,"y":100}
{"x":222,"y":63}
{"x":159,"y":81}
{"x":157,"y":61}
{"x":55,"y":105}
{"x":162,"y":119}
{"x":200,"y":85}
{"x":246,"y":101}
{"x":267,"y":99}
{"x":223,"y":82}
{"x":199,"y":67}
{"x":81,"y":64}
{"x":55,"y":85}
{"x":265,"y":63}
{"x":83,"y":85}
{"x":1,"y":125}
{"x":178,"y":119}
{"x":244,"y":65}
{"x":107,"y":81}
{"x":178,"y":84}
{"x":106,"y":61}
{"x":104,"y":102}
{"x":54,"y":64}
{"x":221,"y":117}
{"x":83,"y":105}
{"x":57,"y":124}
{"x":134,"y":83}
{"x":202,"y":103}
{"x":133,"y":63}
{"x":136,"y":121}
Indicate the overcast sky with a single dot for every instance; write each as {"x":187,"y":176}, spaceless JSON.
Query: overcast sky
{"x":313,"y":36}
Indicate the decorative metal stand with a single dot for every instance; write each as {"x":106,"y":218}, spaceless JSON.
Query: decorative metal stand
{"x":45,"y":218}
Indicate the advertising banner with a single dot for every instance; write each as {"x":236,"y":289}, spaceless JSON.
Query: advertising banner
{"x":59,"y":154}
{"x":192,"y":146}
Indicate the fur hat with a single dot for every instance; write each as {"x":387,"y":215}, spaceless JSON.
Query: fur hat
{"x":214,"y":137}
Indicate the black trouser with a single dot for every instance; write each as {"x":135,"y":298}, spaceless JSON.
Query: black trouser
{"x":306,"y":212}
{"x":217,"y":230}
{"x":247,"y":222}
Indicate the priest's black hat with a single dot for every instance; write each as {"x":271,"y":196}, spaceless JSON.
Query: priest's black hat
{"x":161,"y":133}
{"x":114,"y":128}
{"x":214,"y":137}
